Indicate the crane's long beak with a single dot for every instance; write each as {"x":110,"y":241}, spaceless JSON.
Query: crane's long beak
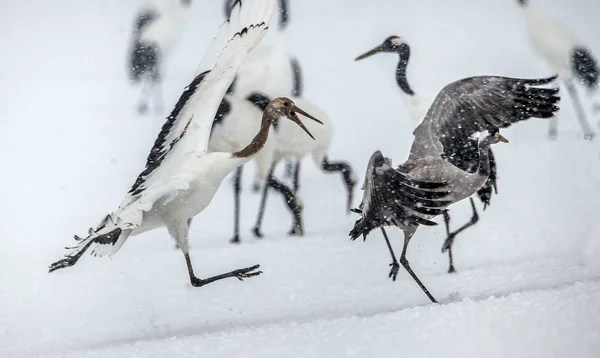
{"x":500,"y":137}
{"x":369,"y":53}
{"x":294,"y":117}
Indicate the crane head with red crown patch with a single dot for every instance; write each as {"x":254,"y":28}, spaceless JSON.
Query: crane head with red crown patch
{"x":392,"y":44}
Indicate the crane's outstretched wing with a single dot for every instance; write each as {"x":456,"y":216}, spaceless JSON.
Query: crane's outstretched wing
{"x":187,"y":128}
{"x":392,"y":198}
{"x":477,"y":104}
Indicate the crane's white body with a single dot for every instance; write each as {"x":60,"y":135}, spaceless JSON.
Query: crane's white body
{"x":551,"y":40}
{"x":267,"y":70}
{"x":237,"y":129}
{"x":291,"y":139}
{"x":417,"y":107}
{"x":181,"y":177}
{"x":167,"y":28}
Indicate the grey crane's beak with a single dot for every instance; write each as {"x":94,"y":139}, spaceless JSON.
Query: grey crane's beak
{"x":369,"y":53}
{"x":500,"y":137}
{"x":294,"y":117}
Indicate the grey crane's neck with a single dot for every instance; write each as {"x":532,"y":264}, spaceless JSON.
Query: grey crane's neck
{"x":484,"y":156}
{"x":401,"y":74}
{"x":259,"y":140}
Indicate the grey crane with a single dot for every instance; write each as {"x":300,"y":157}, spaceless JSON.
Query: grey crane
{"x":423,"y":186}
{"x":417,"y":107}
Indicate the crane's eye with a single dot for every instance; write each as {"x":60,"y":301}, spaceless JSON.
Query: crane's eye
{"x":286,"y":104}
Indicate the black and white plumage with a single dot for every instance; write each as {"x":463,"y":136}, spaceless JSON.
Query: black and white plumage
{"x":567,"y":56}
{"x":181,"y":178}
{"x":464,"y":154}
{"x":270,"y":70}
{"x":291,"y":143}
{"x":156,"y":27}
{"x":461,"y":109}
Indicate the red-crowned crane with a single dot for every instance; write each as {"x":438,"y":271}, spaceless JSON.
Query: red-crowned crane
{"x":156,"y":27}
{"x":565,"y":55}
{"x":181,"y":178}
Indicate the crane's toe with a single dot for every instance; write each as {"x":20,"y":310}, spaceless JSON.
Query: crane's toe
{"x":394,"y":271}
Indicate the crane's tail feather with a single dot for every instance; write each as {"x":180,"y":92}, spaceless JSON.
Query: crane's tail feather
{"x":106,"y":239}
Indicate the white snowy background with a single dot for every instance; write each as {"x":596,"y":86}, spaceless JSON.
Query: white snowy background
{"x":528,"y":281}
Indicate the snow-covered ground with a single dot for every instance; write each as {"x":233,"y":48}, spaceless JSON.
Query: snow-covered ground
{"x":529,"y":275}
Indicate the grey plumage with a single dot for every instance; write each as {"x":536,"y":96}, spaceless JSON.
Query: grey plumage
{"x":423,"y":186}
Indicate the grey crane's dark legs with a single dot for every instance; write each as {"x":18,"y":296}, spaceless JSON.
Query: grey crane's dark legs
{"x":452,"y":235}
{"x":240,"y":274}
{"x":347,"y":175}
{"x":237,"y":188}
{"x":395,"y":265}
{"x":579,"y":111}
{"x":408,"y":233}
{"x":290,"y":200}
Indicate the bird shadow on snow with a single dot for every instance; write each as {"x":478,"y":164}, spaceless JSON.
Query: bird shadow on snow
{"x":217,"y":327}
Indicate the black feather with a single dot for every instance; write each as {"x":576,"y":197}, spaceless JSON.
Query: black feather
{"x":158,"y":153}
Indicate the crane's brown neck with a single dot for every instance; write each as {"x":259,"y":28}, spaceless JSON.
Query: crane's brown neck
{"x":484,"y":156}
{"x":259,"y":140}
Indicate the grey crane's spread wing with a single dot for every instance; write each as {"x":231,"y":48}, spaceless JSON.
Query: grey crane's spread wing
{"x":392,"y":198}
{"x":477,"y":104}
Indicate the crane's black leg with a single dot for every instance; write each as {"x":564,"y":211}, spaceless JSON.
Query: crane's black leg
{"x":579,"y":111}
{"x":261,"y":209}
{"x":452,"y":235}
{"x":296,"y":179}
{"x":290,"y":200}
{"x":395,"y":265}
{"x":289,"y":167}
{"x":448,"y":235}
{"x":240,"y":274}
{"x":237,"y":187}
{"x":296,"y":185}
{"x":407,"y":235}
{"x":347,"y":175}
{"x":145,"y":89}
{"x":256,"y":184}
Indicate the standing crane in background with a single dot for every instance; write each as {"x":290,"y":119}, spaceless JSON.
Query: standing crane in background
{"x":567,"y":56}
{"x":270,"y":70}
{"x":157,"y":25}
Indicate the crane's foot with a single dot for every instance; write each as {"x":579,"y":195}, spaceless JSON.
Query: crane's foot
{"x":257,"y":233}
{"x":66,"y":262}
{"x":589,"y":136}
{"x":394,"y":271}
{"x":451,"y":269}
{"x":235,"y":240}
{"x":240,"y":274}
{"x":295,"y":232}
